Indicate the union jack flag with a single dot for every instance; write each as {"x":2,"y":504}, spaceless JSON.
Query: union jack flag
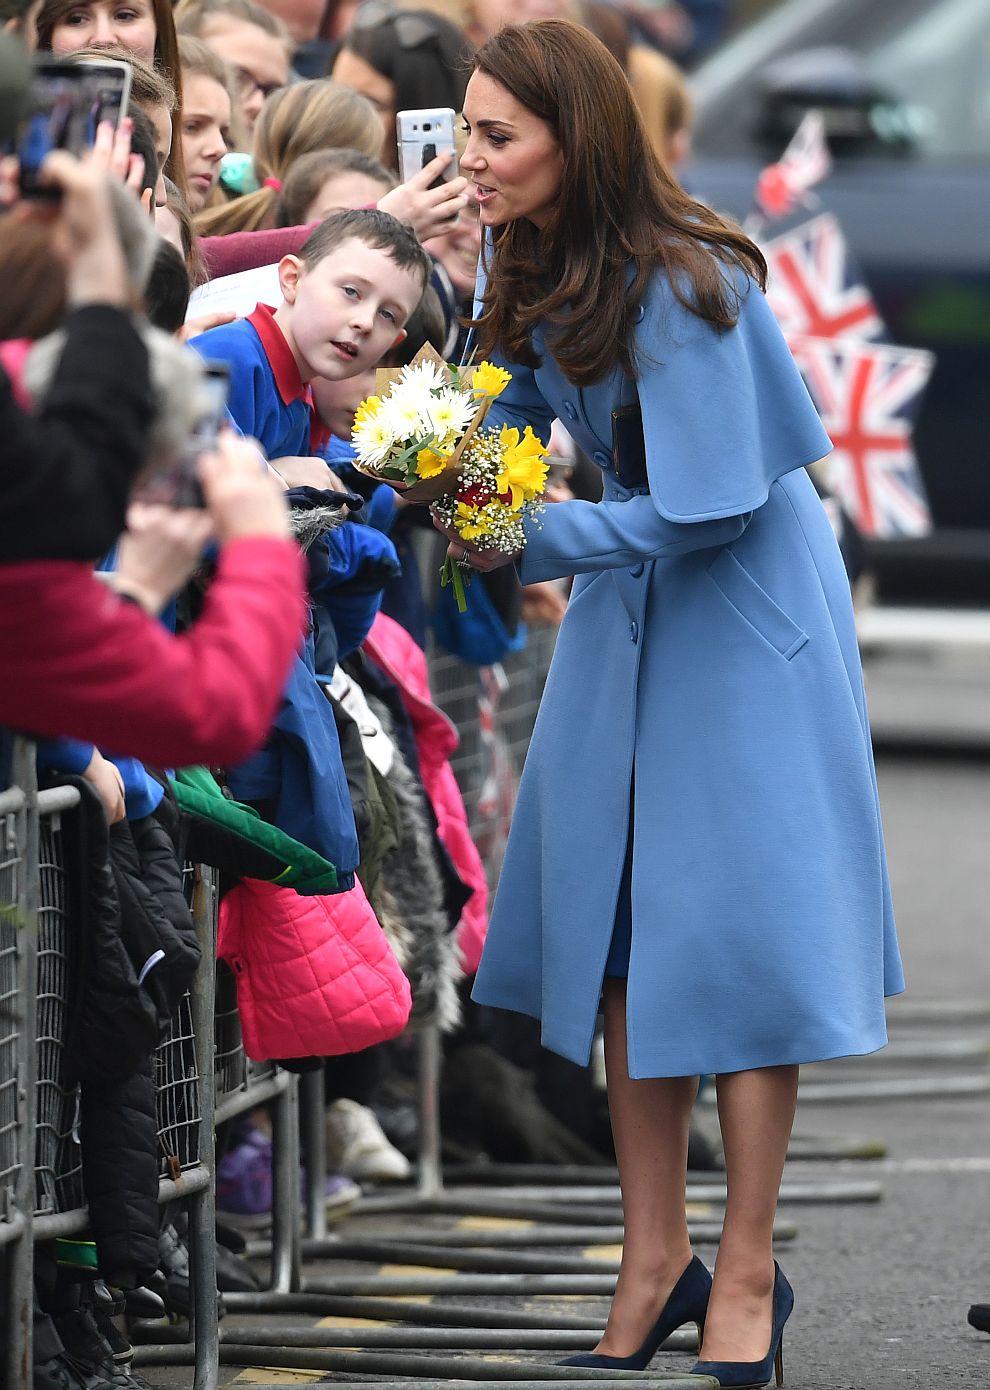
{"x":867,"y":395}
{"x":785,"y":185}
{"x":815,"y":288}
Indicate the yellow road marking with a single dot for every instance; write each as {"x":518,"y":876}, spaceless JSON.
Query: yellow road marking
{"x":275,"y":1375}
{"x":334,"y":1321}
{"x":494,"y":1223}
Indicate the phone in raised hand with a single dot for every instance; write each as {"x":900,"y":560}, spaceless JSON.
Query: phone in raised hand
{"x":421,"y":136}
{"x":67,"y":101}
{"x":176,"y":483}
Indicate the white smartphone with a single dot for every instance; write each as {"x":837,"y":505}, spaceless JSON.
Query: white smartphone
{"x":422,"y":135}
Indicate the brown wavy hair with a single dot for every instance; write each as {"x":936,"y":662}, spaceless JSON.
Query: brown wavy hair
{"x":618,"y":206}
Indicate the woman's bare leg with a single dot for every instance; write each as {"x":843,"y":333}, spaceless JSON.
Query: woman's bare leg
{"x":650,"y":1127}
{"x":755,"y":1111}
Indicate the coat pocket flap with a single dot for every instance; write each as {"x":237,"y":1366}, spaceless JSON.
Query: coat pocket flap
{"x":754,"y":604}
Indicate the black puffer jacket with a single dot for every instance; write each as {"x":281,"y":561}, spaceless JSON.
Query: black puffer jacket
{"x":113,"y":1022}
{"x":133,"y":954}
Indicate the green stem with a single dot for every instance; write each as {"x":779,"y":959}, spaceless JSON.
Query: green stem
{"x":452,"y":573}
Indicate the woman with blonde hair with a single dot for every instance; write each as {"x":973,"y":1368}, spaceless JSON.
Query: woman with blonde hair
{"x":329,"y":181}
{"x":297,"y":120}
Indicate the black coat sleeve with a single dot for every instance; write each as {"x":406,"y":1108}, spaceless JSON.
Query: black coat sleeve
{"x":65,"y":472}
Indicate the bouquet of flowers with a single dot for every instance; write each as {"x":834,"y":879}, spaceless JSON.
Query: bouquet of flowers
{"x":423,"y":433}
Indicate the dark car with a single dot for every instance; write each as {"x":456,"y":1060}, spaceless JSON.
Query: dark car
{"x":905,"y":91}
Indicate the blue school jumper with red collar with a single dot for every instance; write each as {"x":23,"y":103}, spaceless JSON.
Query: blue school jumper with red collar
{"x":268,"y":398}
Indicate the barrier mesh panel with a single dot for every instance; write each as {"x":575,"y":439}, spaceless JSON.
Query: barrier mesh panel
{"x":494,"y":709}
{"x":10,"y":925}
{"x":235,"y":1072}
{"x":58,"y":1164}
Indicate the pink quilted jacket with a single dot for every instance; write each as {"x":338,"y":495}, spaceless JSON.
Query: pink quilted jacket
{"x":315,"y":976}
{"x":397,"y":654}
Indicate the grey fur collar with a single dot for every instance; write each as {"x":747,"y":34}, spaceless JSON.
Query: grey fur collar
{"x":431,"y":956}
{"x":310,"y":523}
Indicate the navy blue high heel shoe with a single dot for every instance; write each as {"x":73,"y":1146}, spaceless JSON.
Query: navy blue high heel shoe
{"x":688,"y":1302}
{"x":750,"y":1375}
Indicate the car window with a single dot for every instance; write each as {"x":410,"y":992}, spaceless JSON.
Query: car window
{"x":930,"y":58}
{"x":939,"y":66}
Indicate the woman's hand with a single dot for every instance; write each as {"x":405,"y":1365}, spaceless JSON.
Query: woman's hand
{"x":112,"y":153}
{"x":429,"y":211}
{"x":465,"y":553}
{"x":159,"y":551}
{"x":108,"y":784}
{"x":85,"y":230}
{"x":242,"y":496}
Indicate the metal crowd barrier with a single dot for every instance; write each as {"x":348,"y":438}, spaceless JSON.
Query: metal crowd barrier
{"x":203,"y":1078}
{"x":494,"y":709}
{"x":41,"y":1190}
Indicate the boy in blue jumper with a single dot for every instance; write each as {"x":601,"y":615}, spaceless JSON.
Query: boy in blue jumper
{"x":345,"y":301}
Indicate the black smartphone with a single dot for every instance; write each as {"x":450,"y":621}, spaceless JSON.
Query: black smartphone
{"x":67,"y":100}
{"x":176,"y":483}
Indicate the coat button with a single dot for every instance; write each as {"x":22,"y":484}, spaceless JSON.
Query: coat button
{"x":569,"y":410}
{"x":639,"y":313}
{"x":637,"y":570}
{"x":603,"y":459}
{"x":634,"y":631}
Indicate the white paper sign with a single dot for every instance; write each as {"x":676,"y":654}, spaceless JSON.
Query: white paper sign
{"x":238,"y":294}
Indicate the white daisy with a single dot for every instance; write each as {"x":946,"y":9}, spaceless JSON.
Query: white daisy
{"x":423,"y":377}
{"x":449,"y":414}
{"x":405,"y":415}
{"x":373,"y":439}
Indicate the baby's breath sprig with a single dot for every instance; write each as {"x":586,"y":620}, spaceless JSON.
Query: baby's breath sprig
{"x":500,"y":488}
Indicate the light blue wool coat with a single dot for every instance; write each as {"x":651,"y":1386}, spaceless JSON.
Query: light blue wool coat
{"x":708,"y":660}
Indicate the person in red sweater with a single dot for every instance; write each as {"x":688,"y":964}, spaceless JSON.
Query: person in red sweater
{"x":83,"y":660}
{"x":79,"y":659}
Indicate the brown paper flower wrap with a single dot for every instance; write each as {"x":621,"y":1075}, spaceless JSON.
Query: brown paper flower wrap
{"x":412,"y":434}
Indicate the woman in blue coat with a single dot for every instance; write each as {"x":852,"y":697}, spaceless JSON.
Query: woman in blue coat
{"x":697,"y":842}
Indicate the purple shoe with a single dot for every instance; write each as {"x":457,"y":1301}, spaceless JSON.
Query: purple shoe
{"x":244,"y":1180}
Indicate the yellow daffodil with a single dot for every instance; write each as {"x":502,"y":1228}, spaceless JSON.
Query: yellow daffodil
{"x":471,"y":522}
{"x":489,"y":380}
{"x":523,"y":469}
{"x":429,"y":464}
{"x":367,"y":409}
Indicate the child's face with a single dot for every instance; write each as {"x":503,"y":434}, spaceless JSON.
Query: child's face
{"x":342,"y":315}
{"x":337,"y":401}
{"x":348,"y":189}
{"x":205,"y":133}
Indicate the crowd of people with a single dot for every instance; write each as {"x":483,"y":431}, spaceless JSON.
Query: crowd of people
{"x":229,"y":667}
{"x":222,"y":644}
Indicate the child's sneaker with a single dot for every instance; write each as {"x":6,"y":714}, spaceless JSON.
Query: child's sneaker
{"x":358,"y":1148}
{"x":341,"y":1193}
{"x":244,"y":1180}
